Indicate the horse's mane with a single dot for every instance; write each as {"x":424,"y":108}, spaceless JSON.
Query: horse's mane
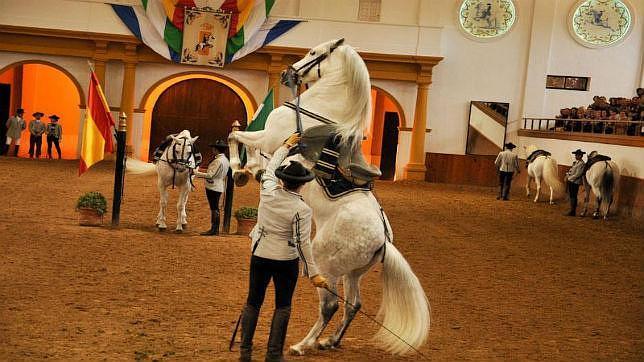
{"x":358,"y":112}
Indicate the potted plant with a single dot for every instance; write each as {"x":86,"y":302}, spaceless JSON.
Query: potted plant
{"x":246,"y":219}
{"x":91,"y":207}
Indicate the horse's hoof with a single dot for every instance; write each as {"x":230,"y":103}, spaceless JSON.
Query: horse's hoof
{"x":178,"y":231}
{"x":552,"y":203}
{"x":161,"y":227}
{"x":258,"y":175}
{"x":295,"y":351}
{"x":241,"y":178}
{"x":327,"y":343}
{"x":595,"y":216}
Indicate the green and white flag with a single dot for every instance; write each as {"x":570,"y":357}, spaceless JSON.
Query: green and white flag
{"x":259,"y":119}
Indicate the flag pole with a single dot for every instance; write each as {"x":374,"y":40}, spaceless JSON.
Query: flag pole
{"x":120,"y":169}
{"x":230,"y":187}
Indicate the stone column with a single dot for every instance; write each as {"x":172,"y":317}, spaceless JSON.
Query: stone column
{"x":415,"y":169}
{"x":274,"y":71}
{"x":100,"y":58}
{"x":127,"y":92}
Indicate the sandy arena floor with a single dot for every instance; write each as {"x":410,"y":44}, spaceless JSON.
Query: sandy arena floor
{"x":509,"y":280}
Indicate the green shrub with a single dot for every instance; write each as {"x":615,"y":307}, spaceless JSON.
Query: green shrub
{"x":92,"y":200}
{"x":246,"y":212}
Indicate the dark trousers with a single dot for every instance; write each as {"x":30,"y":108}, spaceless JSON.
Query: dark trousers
{"x":573,"y":190}
{"x":35,"y":141}
{"x":284,"y":274}
{"x":54,"y":140}
{"x":505,"y":180}
{"x":213,"y":199}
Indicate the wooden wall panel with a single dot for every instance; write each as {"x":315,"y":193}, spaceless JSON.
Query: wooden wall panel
{"x":461,"y":169}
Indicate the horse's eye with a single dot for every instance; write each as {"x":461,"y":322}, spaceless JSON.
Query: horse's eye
{"x":312,"y":52}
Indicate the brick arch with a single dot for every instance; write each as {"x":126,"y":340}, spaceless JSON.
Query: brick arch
{"x":401,"y":110}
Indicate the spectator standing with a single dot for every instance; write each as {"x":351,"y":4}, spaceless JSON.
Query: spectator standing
{"x":36,"y":130}
{"x":54,"y":135}
{"x":15,"y":126}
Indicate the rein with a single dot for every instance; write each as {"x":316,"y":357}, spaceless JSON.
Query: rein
{"x":173,"y":161}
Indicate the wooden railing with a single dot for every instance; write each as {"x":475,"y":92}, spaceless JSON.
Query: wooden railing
{"x":625,"y":133}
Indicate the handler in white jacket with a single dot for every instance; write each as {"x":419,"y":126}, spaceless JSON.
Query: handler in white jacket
{"x":215,"y":183}
{"x":280,"y":239}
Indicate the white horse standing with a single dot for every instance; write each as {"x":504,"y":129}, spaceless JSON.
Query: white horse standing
{"x":174,"y":168}
{"x":352,"y":231}
{"x":543,"y":167}
{"x":603,"y":179}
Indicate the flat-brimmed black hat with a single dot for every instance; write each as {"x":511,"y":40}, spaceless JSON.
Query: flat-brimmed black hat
{"x":219,"y":144}
{"x":510,"y":146}
{"x":37,"y":114}
{"x":20,"y":110}
{"x":294,"y":172}
{"x":579,"y":152}
{"x":53,"y":116}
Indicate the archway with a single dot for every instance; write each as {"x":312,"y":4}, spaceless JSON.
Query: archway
{"x":40,"y":86}
{"x":206,"y":101}
{"x":381,"y":145}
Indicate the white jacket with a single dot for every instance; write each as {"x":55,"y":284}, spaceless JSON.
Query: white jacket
{"x":507,"y":161}
{"x":216,"y":174}
{"x":283,"y":229}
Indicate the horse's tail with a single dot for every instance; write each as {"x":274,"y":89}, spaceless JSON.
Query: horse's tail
{"x":138,"y":167}
{"x":404,"y":309}
{"x":551,"y":175}
{"x":608,"y":182}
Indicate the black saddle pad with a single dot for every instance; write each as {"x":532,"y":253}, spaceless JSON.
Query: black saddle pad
{"x":338,"y":186}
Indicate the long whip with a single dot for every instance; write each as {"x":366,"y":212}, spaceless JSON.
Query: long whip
{"x":376,"y":322}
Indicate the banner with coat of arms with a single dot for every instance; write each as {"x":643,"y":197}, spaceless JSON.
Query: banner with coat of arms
{"x":205,"y":34}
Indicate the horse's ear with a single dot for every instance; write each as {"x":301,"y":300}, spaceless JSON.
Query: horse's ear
{"x":174,"y":138}
{"x":337,"y":44}
{"x":195,"y":139}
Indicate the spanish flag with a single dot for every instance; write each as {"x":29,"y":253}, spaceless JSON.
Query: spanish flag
{"x":97,"y":132}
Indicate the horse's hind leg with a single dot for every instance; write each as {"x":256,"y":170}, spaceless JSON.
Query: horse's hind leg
{"x":552,"y":194}
{"x":610,"y":203}
{"x":597,"y":213}
{"x":586,"y":197}
{"x":537,"y":180}
{"x":527,"y":186}
{"x":352,"y":295}
{"x":163,"y":204}
{"x":328,"y":307}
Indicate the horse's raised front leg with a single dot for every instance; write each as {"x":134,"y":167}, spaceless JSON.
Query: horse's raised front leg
{"x":252,"y":140}
{"x":537,"y":181}
{"x":163,"y":203}
{"x":352,"y":295}
{"x":182,"y":216}
{"x":328,"y":307}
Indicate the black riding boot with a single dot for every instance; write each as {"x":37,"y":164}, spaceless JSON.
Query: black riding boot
{"x":15,"y":150}
{"x":214,"y":223}
{"x":248,"y":325}
{"x":278,"y":334}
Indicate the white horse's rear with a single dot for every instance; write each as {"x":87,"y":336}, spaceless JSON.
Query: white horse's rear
{"x":544,"y":167}
{"x":603,"y":178}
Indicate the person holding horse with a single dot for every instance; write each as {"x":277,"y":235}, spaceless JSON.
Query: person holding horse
{"x":280,"y":238}
{"x":215,"y":182}
{"x":574,"y":178}
{"x":36,"y":130}
{"x":15,"y":125}
{"x":507,"y":162}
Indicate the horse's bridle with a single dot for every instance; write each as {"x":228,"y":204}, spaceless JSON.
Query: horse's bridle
{"x":184,"y":160}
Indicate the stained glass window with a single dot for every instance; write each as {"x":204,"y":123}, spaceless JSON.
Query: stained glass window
{"x":600,"y":23}
{"x":486,"y":19}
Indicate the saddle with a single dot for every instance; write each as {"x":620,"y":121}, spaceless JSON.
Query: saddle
{"x":594,"y":160}
{"x":321,"y":145}
{"x":533,"y":156}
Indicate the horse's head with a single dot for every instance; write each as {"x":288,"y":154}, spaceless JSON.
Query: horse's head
{"x":182,"y":149}
{"x":317,"y":62}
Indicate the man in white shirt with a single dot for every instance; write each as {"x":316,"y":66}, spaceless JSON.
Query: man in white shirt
{"x":574,"y":178}
{"x":280,"y":240}
{"x":215,"y":182}
{"x":507,"y":163}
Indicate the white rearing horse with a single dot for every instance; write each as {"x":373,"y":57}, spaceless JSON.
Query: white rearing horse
{"x":174,"y":168}
{"x":543,"y":167}
{"x":603,"y":178}
{"x":351,"y":230}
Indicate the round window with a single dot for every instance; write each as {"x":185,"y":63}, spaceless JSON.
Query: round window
{"x":600,"y":23}
{"x":486,"y":19}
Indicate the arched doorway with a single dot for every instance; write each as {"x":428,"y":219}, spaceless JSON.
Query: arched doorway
{"x":145,"y":146}
{"x":40,"y":86}
{"x":381,"y":146}
{"x":205,"y":107}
